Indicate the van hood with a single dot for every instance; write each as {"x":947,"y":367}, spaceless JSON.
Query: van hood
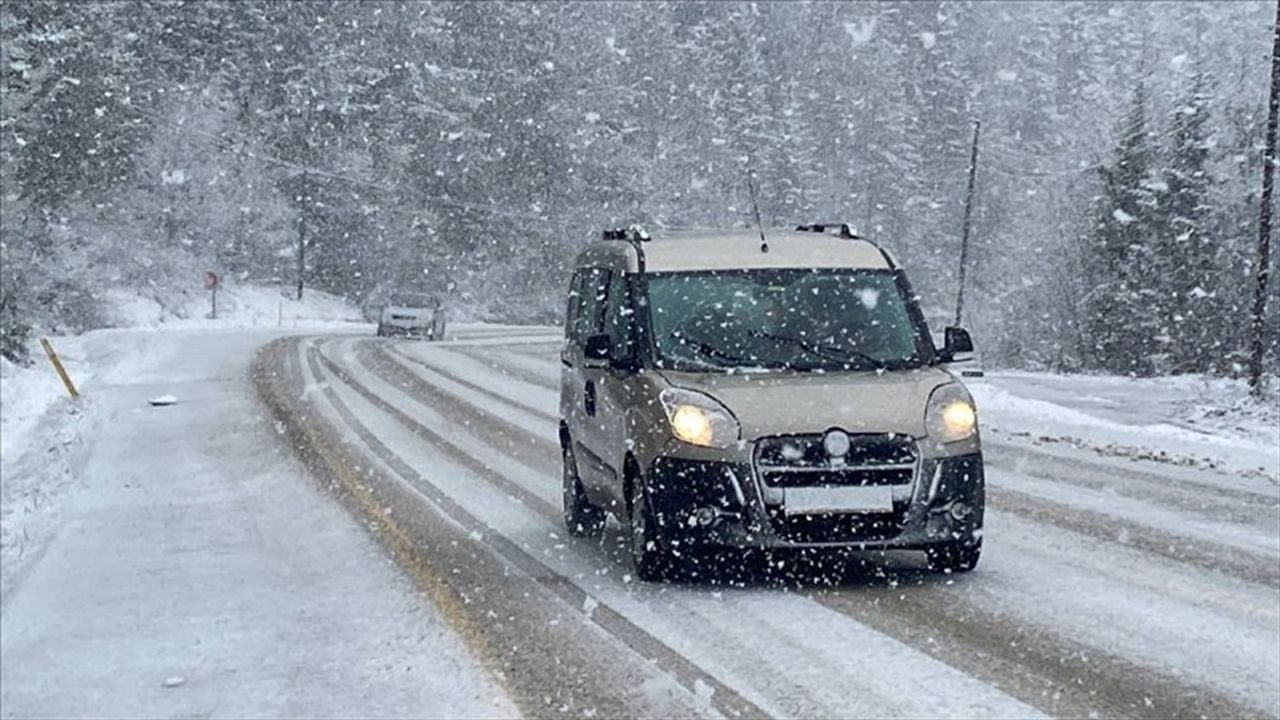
{"x":782,"y":404}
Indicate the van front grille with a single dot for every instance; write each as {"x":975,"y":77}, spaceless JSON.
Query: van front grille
{"x":796,"y":461}
{"x":801,"y":461}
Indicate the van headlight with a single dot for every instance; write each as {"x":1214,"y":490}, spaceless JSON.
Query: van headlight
{"x":699,"y":419}
{"x":951,"y":415}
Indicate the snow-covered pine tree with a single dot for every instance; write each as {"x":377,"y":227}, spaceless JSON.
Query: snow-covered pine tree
{"x":1122,"y":327}
{"x":1185,"y":263}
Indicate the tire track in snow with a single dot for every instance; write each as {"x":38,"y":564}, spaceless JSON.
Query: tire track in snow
{"x":1091,"y":471}
{"x":449,"y":378}
{"x":1061,"y":676}
{"x":513,"y":365}
{"x":1194,"y":551}
{"x":535,"y":369}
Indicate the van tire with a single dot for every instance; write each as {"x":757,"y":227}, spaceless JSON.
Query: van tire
{"x":650,"y":559}
{"x":581,"y":518}
{"x":954,"y":557}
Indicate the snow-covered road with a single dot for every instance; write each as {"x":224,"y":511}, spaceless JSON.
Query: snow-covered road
{"x":1108,"y":587}
{"x":198,"y":571}
{"x":193,"y":547}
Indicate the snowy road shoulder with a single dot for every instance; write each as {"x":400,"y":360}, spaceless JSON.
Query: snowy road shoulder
{"x":42,"y":430}
{"x":199,"y":571}
{"x":1189,"y":421}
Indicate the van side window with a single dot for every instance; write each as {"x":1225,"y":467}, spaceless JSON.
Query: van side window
{"x":618,"y":316}
{"x":575,"y":305}
{"x":589,"y":318}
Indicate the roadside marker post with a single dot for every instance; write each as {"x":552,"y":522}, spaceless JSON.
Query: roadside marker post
{"x":57,"y":365}
{"x":211,"y":283}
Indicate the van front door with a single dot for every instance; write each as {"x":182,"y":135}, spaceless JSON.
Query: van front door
{"x":613,"y":389}
{"x":580,"y":398}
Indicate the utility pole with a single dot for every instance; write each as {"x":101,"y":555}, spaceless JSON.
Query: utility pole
{"x":1257,"y":323}
{"x":302,"y":232}
{"x":306,"y":193}
{"x":968,"y":219}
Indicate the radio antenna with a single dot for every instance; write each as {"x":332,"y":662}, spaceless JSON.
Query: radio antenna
{"x":755,"y":208}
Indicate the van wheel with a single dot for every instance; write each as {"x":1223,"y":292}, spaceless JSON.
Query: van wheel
{"x":954,"y":556}
{"x":650,"y":559}
{"x":581,"y":517}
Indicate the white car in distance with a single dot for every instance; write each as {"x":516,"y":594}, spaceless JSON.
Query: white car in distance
{"x":412,"y":315}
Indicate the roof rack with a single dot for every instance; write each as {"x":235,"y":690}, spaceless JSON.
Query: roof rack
{"x":631,"y":233}
{"x":843,"y":230}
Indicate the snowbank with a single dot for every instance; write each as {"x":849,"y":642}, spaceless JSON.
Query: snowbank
{"x":189,"y":568}
{"x":39,"y":424}
{"x":239,"y":306}
{"x":1187,"y":420}
{"x":39,"y":437}
{"x":27,"y":393}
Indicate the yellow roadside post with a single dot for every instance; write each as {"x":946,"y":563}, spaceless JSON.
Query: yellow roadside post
{"x":57,"y":365}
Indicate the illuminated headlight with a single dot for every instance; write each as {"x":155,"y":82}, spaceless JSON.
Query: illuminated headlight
{"x":699,"y":419}
{"x":951,"y":416}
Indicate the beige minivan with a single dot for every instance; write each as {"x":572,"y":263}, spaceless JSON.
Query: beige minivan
{"x":776,"y":390}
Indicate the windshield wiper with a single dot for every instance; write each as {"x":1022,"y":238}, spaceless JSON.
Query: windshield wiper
{"x":829,"y":352}
{"x":711,"y":351}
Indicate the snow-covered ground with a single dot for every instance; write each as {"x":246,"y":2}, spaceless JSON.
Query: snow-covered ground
{"x":177,"y":561}
{"x":1183,"y":420}
{"x":239,"y":306}
{"x":26,"y":393}
{"x":40,"y":441}
{"x":39,"y":424}
{"x":148,"y":547}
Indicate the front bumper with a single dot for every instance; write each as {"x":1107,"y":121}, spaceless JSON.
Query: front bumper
{"x":703,"y":503}
{"x":407,"y":327}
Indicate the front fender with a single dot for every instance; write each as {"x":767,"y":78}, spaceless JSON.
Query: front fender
{"x":648,"y":432}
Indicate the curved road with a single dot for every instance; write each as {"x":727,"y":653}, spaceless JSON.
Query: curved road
{"x":1108,"y":589}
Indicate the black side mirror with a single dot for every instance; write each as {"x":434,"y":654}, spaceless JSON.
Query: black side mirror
{"x":598,"y":351}
{"x":956,"y":342}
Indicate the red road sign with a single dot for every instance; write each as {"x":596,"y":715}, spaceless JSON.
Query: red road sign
{"x":212,"y":281}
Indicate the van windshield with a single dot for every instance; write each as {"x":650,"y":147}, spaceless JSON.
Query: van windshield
{"x":782,"y":319}
{"x":412,"y":300}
